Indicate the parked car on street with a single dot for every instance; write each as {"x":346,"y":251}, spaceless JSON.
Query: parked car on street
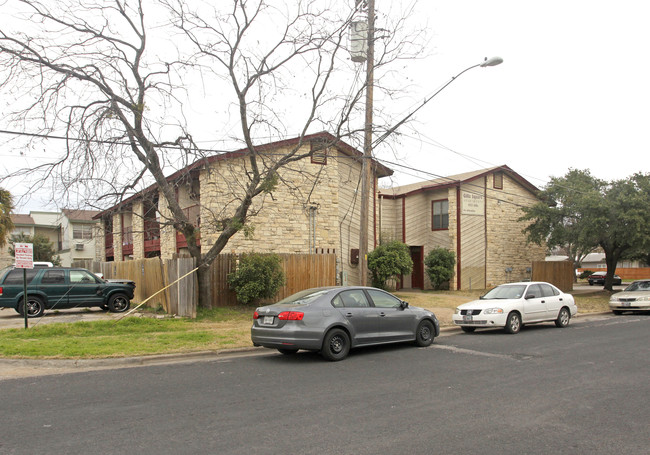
{"x":599,"y":278}
{"x":635,"y":297}
{"x":513,"y":305}
{"x":332,"y":320}
{"x":59,"y":288}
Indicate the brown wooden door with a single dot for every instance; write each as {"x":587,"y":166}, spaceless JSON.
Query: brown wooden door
{"x":417,"y":276}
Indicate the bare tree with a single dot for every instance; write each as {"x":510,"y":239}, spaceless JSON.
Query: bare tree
{"x":118,"y":81}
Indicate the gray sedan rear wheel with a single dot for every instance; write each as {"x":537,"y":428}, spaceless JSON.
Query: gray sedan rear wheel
{"x":336,"y":345}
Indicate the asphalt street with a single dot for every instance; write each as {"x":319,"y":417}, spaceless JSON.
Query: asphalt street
{"x":546,"y":390}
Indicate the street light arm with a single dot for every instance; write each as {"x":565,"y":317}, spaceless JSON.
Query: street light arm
{"x":494,"y":61}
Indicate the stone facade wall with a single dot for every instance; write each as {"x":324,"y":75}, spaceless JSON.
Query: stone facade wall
{"x":117,"y":236}
{"x":167,"y":232}
{"x":138,"y":230}
{"x":281,"y":220}
{"x":99,"y":232}
{"x":506,"y":243}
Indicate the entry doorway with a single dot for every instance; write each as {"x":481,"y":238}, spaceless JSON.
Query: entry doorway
{"x":417,"y":276}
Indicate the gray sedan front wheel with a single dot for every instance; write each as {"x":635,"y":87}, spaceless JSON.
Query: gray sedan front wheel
{"x":424,"y":334}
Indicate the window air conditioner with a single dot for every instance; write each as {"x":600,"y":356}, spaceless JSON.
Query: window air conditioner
{"x":79,"y":246}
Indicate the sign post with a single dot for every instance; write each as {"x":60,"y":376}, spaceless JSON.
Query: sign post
{"x":24,"y":253}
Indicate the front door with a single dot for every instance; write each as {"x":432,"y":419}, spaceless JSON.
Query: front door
{"x":85,"y":290}
{"x":534,"y":304}
{"x":417,"y":276}
{"x":395,"y":322}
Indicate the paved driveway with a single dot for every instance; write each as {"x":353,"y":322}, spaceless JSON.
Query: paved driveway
{"x":9,"y":319}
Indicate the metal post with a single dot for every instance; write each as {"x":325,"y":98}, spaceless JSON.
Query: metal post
{"x":367,"y":150}
{"x":25,"y":298}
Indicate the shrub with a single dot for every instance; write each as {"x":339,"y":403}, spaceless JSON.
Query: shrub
{"x":258,"y":276}
{"x":389,"y":260}
{"x":585,"y":274}
{"x":439,"y":265}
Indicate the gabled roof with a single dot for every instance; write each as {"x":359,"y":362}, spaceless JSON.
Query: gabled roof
{"x":453,"y":181}
{"x":18,"y":218}
{"x":80,"y":215}
{"x":343,"y":147}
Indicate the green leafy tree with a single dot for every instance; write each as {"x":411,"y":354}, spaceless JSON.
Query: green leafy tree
{"x":592,"y":213}
{"x":558,"y":220}
{"x":439,"y":265}
{"x":258,"y":276}
{"x":6,"y":207}
{"x":389,"y":260}
{"x":43,"y":248}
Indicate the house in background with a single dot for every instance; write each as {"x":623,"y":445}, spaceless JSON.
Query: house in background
{"x":316,"y":210}
{"x":313,"y":209}
{"x":71,"y":232}
{"x":475,"y":215}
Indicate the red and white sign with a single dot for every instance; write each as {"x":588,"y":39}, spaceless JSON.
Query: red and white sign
{"x":24,"y":253}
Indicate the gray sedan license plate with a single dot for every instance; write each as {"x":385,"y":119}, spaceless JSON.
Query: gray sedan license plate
{"x":467,"y":317}
{"x":268,"y":320}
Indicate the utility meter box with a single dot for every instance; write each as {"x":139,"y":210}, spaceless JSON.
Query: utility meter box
{"x":359,"y":41}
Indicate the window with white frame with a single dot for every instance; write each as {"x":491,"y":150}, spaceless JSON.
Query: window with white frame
{"x":82,"y":232}
{"x":440,"y":214}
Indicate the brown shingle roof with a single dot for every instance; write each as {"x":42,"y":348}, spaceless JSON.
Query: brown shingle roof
{"x":18,"y":218}
{"x":80,"y":215}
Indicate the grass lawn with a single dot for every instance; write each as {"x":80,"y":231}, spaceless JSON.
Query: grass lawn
{"x":213,"y":330}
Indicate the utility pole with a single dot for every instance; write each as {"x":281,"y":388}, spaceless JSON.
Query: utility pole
{"x":366,"y":161}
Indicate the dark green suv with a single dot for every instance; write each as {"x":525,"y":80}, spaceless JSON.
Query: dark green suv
{"x":61,"y":287}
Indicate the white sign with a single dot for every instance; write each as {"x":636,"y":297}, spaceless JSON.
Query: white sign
{"x":472,"y":203}
{"x":24,"y":253}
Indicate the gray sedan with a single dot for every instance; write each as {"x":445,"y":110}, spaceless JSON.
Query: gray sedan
{"x":332,"y":320}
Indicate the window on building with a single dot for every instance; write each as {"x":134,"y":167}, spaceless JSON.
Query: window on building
{"x":498,"y":180}
{"x":82,"y":231}
{"x":440,"y":214}
{"x":318,"y":152}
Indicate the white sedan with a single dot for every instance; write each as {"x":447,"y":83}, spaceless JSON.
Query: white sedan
{"x":512,"y":305}
{"x":635,"y":297}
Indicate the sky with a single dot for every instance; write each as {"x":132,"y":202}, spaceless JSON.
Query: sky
{"x":573,"y":90}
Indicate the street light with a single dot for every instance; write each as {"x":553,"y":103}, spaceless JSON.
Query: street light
{"x":493,"y":61}
{"x":368,"y":144}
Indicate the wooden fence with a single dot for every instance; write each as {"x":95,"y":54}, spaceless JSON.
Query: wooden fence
{"x":559,"y":273}
{"x":302,"y":271}
{"x":151,"y":276}
{"x":626,"y":273}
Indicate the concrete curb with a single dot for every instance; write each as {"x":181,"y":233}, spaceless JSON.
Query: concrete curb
{"x":11,"y":368}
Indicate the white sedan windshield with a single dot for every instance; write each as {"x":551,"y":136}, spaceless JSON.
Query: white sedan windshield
{"x":506,"y":292}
